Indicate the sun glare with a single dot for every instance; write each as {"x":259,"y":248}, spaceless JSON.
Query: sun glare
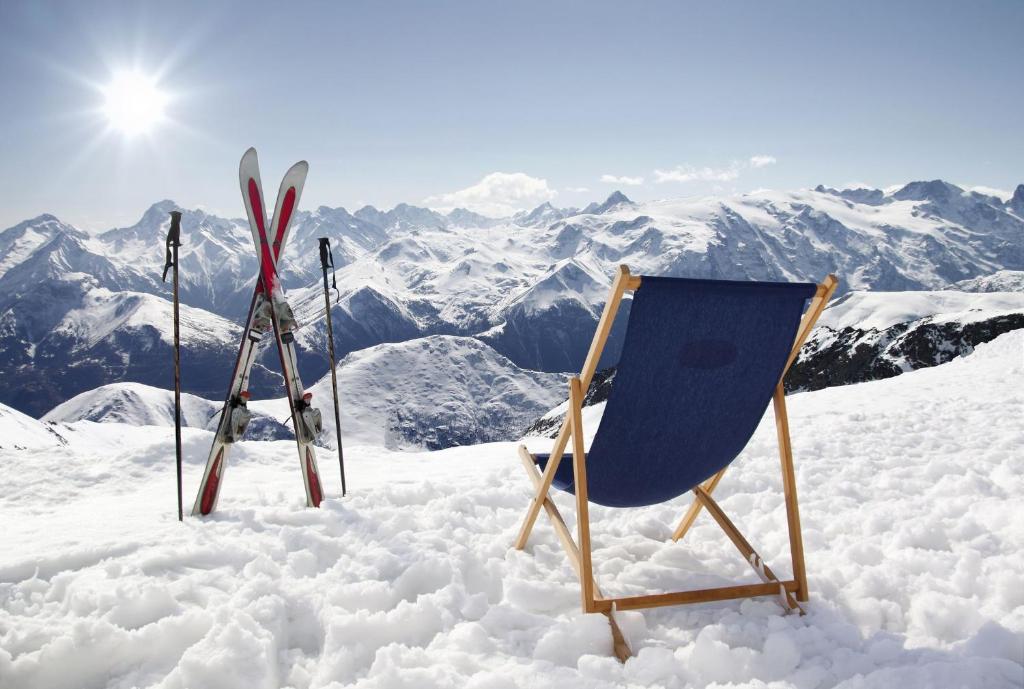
{"x":133,"y":103}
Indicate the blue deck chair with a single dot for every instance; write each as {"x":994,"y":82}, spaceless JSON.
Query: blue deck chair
{"x":700,"y":362}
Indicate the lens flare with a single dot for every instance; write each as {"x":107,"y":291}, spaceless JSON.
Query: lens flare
{"x":133,"y":103}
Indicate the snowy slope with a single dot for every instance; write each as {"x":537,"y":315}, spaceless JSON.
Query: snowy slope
{"x":909,"y":494}
{"x":882,"y":310}
{"x":871,"y":335}
{"x":133,"y":404}
{"x":21,"y":432}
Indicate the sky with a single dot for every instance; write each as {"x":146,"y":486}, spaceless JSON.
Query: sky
{"x":497,"y":106}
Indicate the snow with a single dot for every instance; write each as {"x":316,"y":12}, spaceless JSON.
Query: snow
{"x":999,"y":281}
{"x":438,"y":389}
{"x":20,"y":431}
{"x":405,"y":395}
{"x":881,"y":310}
{"x":910,"y":499}
{"x":134,"y":404}
{"x":103,"y":313}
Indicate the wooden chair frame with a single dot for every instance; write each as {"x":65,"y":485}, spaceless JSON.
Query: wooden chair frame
{"x":791,"y":592}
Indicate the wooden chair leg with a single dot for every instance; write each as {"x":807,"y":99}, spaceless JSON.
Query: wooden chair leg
{"x":623,"y":281}
{"x":748,"y":552}
{"x":796,"y":540}
{"x":554,"y":459}
{"x":579,"y":469}
{"x":619,"y":644}
{"x":696,"y":506}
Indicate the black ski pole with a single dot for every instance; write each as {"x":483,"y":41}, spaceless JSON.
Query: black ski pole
{"x":327,"y":260}
{"x":171,"y":261}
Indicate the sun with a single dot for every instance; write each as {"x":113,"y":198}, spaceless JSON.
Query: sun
{"x":133,"y":103}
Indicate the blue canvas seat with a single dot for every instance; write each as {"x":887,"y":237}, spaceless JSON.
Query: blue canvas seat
{"x":701,"y":361}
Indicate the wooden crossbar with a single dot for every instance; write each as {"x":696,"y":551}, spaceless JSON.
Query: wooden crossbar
{"x":701,"y":595}
{"x":691,"y":514}
{"x":749,"y":554}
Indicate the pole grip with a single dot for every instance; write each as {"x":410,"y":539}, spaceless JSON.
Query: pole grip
{"x":325,"y":254}
{"x":173,"y":240}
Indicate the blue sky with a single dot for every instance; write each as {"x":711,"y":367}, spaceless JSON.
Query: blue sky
{"x":424,"y":102}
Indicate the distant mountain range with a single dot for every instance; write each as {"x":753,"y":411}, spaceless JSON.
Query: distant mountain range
{"x":79,"y":310}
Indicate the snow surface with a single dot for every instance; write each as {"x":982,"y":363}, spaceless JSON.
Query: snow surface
{"x":910,"y":499}
{"x":20,"y":432}
{"x":881,"y":310}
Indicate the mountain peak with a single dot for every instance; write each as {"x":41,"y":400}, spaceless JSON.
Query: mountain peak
{"x":935,"y":190}
{"x":464,"y":217}
{"x":47,"y":224}
{"x":1017,"y":201}
{"x":872,"y":197}
{"x":616,"y":198}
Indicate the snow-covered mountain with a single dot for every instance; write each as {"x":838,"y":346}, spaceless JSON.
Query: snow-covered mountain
{"x":432,"y":392}
{"x":435,"y":392}
{"x":136,"y":404}
{"x":530,"y":285}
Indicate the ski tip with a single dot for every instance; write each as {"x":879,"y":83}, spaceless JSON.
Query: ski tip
{"x":248,"y":157}
{"x":300,"y":167}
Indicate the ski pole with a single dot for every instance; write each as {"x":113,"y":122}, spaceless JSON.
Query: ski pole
{"x":171,"y":261}
{"x":327,"y":259}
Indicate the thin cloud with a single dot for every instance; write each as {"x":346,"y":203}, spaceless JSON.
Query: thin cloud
{"x":686,"y":173}
{"x":497,"y":194}
{"x":577,"y":190}
{"x":690,"y":173}
{"x":627,"y":181}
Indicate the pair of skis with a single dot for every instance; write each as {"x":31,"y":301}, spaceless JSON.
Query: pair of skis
{"x":268,"y":312}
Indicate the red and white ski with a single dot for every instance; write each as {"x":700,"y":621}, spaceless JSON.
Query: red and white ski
{"x":268,"y":312}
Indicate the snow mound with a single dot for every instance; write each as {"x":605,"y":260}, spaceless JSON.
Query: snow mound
{"x":134,"y":404}
{"x":910,"y":504}
{"x":21,"y":432}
